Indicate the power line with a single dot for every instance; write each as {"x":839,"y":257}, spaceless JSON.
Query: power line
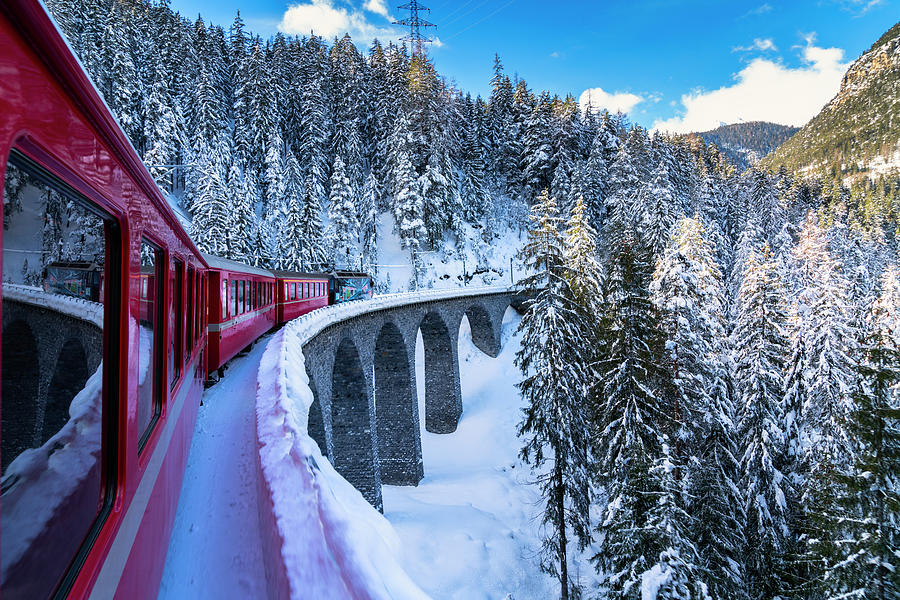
{"x":416,"y":24}
{"x":482,"y":20}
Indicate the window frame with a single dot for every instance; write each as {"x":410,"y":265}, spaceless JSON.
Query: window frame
{"x":177,"y":345}
{"x":27,"y":156}
{"x":159,"y":341}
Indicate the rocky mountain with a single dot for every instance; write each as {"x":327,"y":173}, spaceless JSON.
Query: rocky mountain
{"x":857,"y":134}
{"x":746,"y":143}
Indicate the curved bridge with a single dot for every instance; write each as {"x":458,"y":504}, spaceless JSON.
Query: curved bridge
{"x":362,"y":372}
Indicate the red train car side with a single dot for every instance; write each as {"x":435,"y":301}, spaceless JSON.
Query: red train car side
{"x":99,"y":393}
{"x":241,"y":307}
{"x":299,"y":293}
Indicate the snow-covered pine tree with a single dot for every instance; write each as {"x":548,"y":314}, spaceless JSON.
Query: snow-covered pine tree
{"x":632,"y":417}
{"x":595,"y":182}
{"x":243,"y":195}
{"x":657,"y":210}
{"x":209,"y":211}
{"x":561,"y":188}
{"x":621,"y":201}
{"x":867,"y":562}
{"x":555,"y":427}
{"x":368,"y":222}
{"x":824,"y":324}
{"x":761,"y":351}
{"x":342,"y":212}
{"x":312,"y":254}
{"x":537,"y":147}
{"x":687,"y":288}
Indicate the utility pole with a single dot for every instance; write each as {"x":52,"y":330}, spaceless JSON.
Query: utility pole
{"x":416,"y":23}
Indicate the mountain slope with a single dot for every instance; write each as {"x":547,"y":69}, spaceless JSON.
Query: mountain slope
{"x":745,"y":143}
{"x":857,"y":134}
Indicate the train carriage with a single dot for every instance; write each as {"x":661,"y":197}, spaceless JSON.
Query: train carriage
{"x":241,"y":307}
{"x":299,"y":293}
{"x":347,"y":286}
{"x":100,"y":387}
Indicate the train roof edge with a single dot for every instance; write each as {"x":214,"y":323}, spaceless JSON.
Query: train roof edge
{"x":225,"y":264}
{"x":46,"y":40}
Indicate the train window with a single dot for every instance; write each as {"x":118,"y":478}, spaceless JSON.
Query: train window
{"x":149,"y":346}
{"x":224,"y":299}
{"x":255,"y":298}
{"x":55,"y":474}
{"x":176,"y":316}
{"x":241,"y":298}
{"x":201,"y":304}
{"x":234,"y":296}
{"x":306,"y":289}
{"x":189,"y":322}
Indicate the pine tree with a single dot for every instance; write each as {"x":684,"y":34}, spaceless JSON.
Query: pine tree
{"x":658,"y":215}
{"x":633,"y":419}
{"x":555,"y":427}
{"x":761,"y":349}
{"x":687,"y":288}
{"x":343,"y":215}
{"x":867,"y":561}
{"x":368,"y":221}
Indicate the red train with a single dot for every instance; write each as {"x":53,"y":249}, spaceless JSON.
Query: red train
{"x":105,"y":348}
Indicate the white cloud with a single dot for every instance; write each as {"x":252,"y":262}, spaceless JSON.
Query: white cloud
{"x":324,"y":19}
{"x":860,"y":7}
{"x":765,"y":90}
{"x":379,"y":7}
{"x":759,"y":10}
{"x":599,"y":99}
{"x":759,"y":44}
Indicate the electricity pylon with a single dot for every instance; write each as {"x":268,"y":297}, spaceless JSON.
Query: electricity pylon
{"x":415,"y":24}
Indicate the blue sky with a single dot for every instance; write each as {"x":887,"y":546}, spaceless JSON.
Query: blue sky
{"x":674,"y":64}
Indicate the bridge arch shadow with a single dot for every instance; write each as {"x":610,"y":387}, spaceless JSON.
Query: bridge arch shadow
{"x":20,"y":378}
{"x":443,"y":403}
{"x":485,"y":330}
{"x":69,"y":377}
{"x":315,"y":424}
{"x":351,"y":424}
{"x":396,"y":410}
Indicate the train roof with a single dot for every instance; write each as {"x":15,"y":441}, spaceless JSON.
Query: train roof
{"x":47,"y":41}
{"x":224,"y":264}
{"x":299,"y":275}
{"x":352,"y":274}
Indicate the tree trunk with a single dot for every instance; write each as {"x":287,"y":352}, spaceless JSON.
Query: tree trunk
{"x":561,"y":507}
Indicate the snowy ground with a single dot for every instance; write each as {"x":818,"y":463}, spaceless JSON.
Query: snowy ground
{"x":215,"y":551}
{"x":470,"y":530}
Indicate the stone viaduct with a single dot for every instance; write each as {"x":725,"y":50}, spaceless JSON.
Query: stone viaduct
{"x":362,"y":373}
{"x":55,"y":344}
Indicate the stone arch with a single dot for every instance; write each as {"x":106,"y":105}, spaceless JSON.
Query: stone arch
{"x":69,"y":377}
{"x":443,"y":402}
{"x":20,"y":378}
{"x":315,"y":424}
{"x":352,"y":432}
{"x":485,"y":332}
{"x":396,"y":410}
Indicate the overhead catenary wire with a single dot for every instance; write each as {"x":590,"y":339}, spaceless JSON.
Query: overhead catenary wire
{"x":480,"y":21}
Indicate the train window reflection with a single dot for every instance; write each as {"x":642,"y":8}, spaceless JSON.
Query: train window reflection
{"x":54,"y":255}
{"x":149,"y":346}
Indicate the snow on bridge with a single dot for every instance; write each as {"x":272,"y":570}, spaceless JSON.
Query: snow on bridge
{"x":320,"y":537}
